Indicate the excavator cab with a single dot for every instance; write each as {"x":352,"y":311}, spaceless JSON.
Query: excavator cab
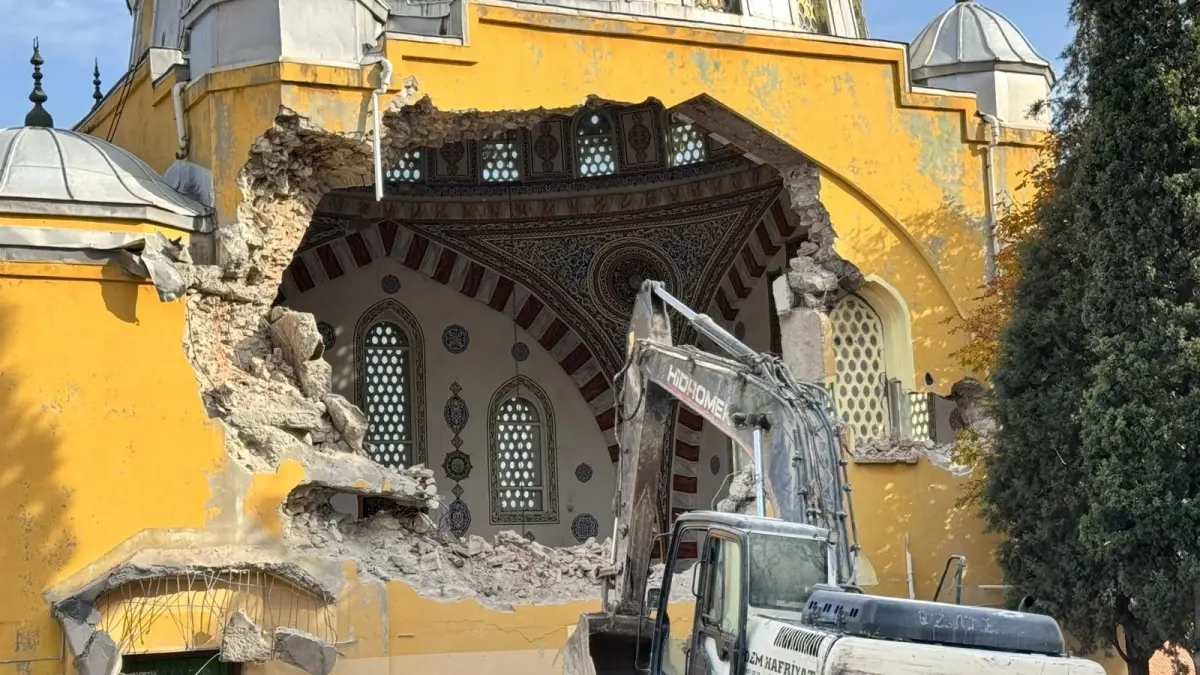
{"x":742,"y":561}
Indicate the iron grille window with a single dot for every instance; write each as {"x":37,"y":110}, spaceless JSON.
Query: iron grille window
{"x":595,"y":146}
{"x":387,"y":373}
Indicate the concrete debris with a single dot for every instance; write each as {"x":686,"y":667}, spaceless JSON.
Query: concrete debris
{"x":741,"y":497}
{"x":504,"y":571}
{"x":818,"y":275}
{"x":232,"y":250}
{"x":327,"y":474}
{"x":348,"y":420}
{"x":909,"y":451}
{"x":304,"y":651}
{"x":297,"y":335}
{"x":79,"y":620}
{"x":99,"y":657}
{"x":242,"y":641}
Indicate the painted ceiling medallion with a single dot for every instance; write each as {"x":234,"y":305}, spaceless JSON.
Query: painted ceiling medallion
{"x":390,"y":284}
{"x":618,"y":270}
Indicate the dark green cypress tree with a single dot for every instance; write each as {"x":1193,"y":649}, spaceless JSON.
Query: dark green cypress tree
{"x":1096,"y":471}
{"x":1139,"y":199}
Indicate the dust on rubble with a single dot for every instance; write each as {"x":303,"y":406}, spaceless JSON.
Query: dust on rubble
{"x":408,"y":545}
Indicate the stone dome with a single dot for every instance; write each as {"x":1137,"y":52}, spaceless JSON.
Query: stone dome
{"x":969,"y":37}
{"x":56,"y":172}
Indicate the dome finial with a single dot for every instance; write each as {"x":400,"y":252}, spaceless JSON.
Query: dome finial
{"x":97,"y":95}
{"x":38,"y":117}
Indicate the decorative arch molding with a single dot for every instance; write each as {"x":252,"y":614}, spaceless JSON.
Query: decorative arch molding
{"x":897,"y":329}
{"x":548,"y":514}
{"x":391,"y":310}
{"x":328,"y":253}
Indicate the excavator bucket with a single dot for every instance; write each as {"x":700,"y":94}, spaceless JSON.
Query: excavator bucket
{"x":607,"y":644}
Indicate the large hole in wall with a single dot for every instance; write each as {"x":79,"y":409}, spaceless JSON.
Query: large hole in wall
{"x":264,"y":370}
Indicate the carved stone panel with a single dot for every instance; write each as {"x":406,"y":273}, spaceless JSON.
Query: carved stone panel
{"x":640,"y":143}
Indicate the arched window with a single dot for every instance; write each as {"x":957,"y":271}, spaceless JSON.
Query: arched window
{"x":390,"y":384}
{"x":595,"y":145}
{"x":860,"y":379}
{"x":523,"y":471}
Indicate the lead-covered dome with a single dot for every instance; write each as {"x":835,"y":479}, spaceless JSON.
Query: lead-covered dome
{"x":969,"y":37}
{"x":46,"y":171}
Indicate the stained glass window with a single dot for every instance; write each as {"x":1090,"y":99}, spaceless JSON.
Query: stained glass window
{"x":595,"y":147}
{"x":388,"y":375}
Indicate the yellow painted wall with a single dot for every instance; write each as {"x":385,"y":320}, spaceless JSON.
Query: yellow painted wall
{"x":902,"y":176}
{"x":98,"y":405}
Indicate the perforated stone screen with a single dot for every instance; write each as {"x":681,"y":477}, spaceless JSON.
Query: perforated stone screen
{"x":407,"y":168}
{"x":519,"y":456}
{"x":687,"y":145}
{"x":595,"y":147}
{"x":388,"y":377}
{"x":920,"y":417}
{"x":860,"y":380}
{"x":500,"y":161}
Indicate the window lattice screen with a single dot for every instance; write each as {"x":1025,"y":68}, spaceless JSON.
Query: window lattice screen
{"x":519,"y":456}
{"x":920,"y":417}
{"x":687,"y":145}
{"x":861,"y":381}
{"x":407,"y":168}
{"x":595,"y":148}
{"x":500,"y":161}
{"x":388,"y":374}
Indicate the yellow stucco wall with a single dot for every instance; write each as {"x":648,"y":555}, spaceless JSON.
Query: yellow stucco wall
{"x":111,"y":447}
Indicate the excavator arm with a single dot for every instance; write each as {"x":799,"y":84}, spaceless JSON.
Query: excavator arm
{"x":780,"y":424}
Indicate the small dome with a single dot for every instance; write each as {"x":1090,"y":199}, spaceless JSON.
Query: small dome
{"x":969,"y":37}
{"x":57,"y":172}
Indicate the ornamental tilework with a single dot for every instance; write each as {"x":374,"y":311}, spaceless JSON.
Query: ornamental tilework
{"x":588,"y":266}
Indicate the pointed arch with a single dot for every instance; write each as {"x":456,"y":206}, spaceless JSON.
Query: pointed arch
{"x":389,"y":383}
{"x":332,"y":247}
{"x":521,"y":423}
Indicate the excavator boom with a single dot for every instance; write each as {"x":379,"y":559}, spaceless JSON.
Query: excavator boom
{"x":782,"y":426}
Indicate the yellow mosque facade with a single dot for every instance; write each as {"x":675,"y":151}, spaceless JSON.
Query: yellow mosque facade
{"x":267,"y":307}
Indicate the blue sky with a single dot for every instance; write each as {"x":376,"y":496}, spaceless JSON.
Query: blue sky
{"x":74,"y":32}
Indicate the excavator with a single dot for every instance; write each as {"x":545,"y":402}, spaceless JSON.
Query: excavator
{"x":775,"y":590}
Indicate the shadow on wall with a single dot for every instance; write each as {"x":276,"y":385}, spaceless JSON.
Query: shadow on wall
{"x":36,"y":535}
{"x":120,"y":299}
{"x":951,"y":269}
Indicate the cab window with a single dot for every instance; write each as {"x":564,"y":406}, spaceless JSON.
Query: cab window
{"x":722,"y":601}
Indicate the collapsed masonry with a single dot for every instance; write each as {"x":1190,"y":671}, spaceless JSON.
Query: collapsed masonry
{"x":262,"y":373}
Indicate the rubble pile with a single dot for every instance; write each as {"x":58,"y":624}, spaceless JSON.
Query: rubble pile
{"x":508,"y":569}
